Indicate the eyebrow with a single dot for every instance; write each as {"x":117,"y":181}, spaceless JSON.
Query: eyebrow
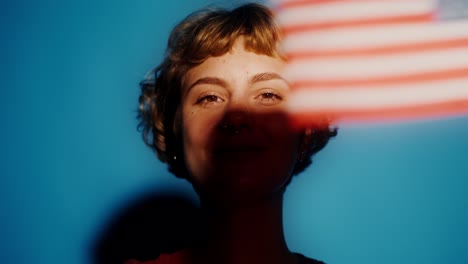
{"x":266,"y":76}
{"x":209,"y":80}
{"x":260,"y":77}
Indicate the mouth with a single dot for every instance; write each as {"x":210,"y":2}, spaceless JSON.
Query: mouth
{"x":240,"y":149}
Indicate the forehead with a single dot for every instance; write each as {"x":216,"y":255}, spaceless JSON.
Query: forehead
{"x":235,"y":64}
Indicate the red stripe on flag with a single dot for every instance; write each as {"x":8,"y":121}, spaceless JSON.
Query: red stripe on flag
{"x":306,"y":118}
{"x":302,"y":3}
{"x":374,"y":51}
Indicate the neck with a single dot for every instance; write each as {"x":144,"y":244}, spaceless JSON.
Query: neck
{"x":244,"y":233}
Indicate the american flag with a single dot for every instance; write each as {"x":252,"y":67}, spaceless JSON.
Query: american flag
{"x":374,"y":60}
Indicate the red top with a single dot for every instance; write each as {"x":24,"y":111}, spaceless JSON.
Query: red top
{"x":181,"y":257}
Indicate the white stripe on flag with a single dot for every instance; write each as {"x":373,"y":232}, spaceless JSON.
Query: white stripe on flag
{"x":366,"y":67}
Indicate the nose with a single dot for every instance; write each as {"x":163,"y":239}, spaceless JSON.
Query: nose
{"x":237,"y":119}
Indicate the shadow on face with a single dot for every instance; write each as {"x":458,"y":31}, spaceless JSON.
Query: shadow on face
{"x":243,"y":156}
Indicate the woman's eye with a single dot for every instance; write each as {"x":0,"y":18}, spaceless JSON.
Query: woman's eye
{"x":269,"y":98}
{"x":209,"y":100}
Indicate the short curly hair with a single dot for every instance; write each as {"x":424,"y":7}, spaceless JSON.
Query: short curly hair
{"x":203,"y":34}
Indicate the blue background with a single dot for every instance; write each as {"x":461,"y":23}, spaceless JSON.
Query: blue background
{"x":71,"y":154}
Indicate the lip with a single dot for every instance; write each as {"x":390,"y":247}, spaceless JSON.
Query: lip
{"x":235,"y":149}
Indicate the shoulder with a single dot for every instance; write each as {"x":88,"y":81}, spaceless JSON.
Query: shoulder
{"x":305,"y":260}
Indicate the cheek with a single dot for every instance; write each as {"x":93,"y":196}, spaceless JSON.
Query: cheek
{"x":285,"y":148}
{"x":194,"y":138}
{"x":280,"y":133}
{"x":197,"y":130}
{"x":198,"y":127}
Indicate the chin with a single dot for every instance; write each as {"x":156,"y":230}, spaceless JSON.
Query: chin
{"x":239,"y":187}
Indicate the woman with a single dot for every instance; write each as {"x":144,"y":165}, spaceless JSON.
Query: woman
{"x":214,"y":112}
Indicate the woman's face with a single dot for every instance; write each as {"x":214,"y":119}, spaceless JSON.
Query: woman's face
{"x":236,"y":139}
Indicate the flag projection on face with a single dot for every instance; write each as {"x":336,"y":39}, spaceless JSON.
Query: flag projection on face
{"x":370,"y":60}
